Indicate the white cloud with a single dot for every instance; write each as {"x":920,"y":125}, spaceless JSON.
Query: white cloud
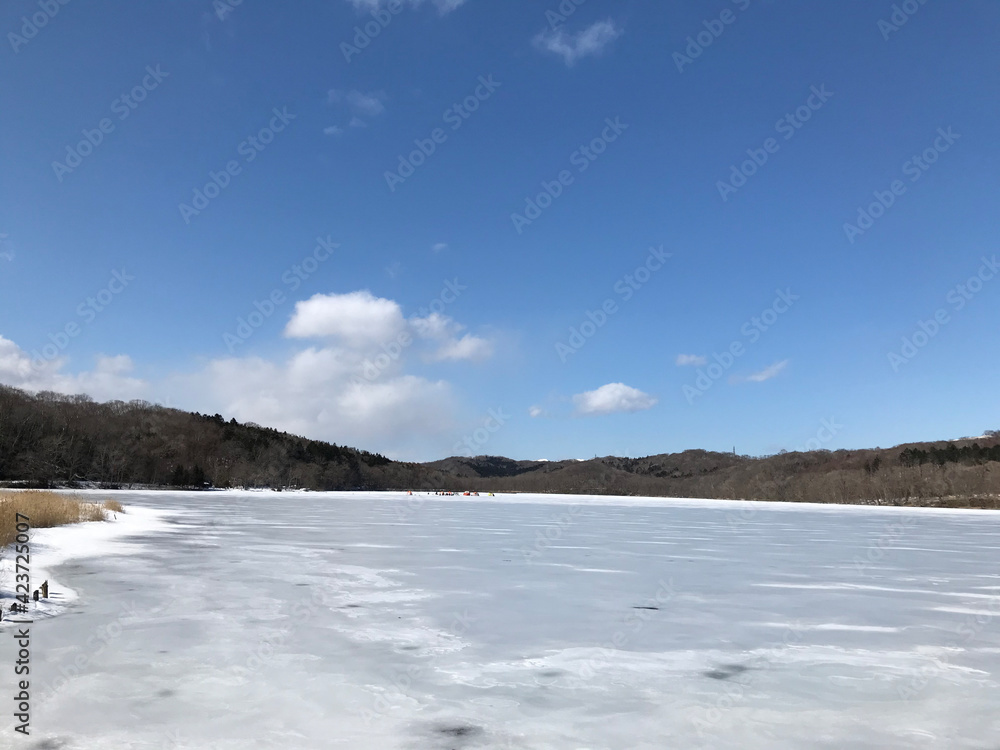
{"x":358,"y":102}
{"x":439,"y":247}
{"x":443,"y":6}
{"x":468,"y":347}
{"x":5,"y":254}
{"x":766,"y":374}
{"x":573,"y":47}
{"x":442,"y":329}
{"x":360,"y":105}
{"x":318,"y":393}
{"x":613,"y":398}
{"x":536,"y":411}
{"x":110,"y":378}
{"x":435,"y":326}
{"x":357,"y":319}
{"x":352,"y":385}
{"x":685,"y":360}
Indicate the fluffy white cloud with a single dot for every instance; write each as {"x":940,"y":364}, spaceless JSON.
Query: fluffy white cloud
{"x":110,"y":378}
{"x":358,"y":319}
{"x":319,"y":393}
{"x":351,"y":386}
{"x":435,"y":326}
{"x":685,"y":360}
{"x":535,"y":411}
{"x":611,"y":399}
{"x":573,"y":47}
{"x":766,"y":374}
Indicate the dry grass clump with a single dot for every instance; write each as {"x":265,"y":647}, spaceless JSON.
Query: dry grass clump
{"x":46,"y":509}
{"x":114,"y":506}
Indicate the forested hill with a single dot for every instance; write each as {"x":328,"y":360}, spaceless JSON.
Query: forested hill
{"x":48,"y":439}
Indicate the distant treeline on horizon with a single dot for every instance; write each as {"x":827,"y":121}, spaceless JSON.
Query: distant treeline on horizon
{"x":48,"y":439}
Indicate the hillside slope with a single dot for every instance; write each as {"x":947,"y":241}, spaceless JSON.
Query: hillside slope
{"x":47,"y":439}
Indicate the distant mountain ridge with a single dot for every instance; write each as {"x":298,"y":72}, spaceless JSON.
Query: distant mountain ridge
{"x":48,"y":439}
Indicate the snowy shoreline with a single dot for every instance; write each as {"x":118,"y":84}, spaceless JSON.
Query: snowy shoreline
{"x":533,"y":498}
{"x":52,"y":547}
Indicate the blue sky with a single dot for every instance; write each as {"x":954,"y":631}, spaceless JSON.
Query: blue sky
{"x":688,"y":175}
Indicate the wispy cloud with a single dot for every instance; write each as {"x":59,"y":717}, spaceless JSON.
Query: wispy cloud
{"x":688,"y":360}
{"x":450,"y":348}
{"x":360,"y":103}
{"x":759,"y":377}
{"x":443,"y":6}
{"x":536,"y":411}
{"x":469,"y":347}
{"x":5,"y":252}
{"x":439,"y":247}
{"x":573,"y":47}
{"x":613,"y":398}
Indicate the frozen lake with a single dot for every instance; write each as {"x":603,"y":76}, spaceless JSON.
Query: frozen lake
{"x":354,"y":620}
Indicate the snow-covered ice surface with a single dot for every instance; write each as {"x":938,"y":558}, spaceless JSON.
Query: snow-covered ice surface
{"x":354,"y":620}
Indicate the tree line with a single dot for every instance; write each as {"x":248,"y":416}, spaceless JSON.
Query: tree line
{"x":48,"y":440}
